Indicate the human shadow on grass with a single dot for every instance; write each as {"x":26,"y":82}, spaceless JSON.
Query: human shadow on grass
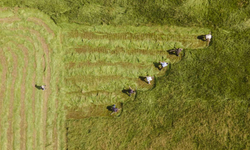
{"x":126,"y":91}
{"x":110,"y":107}
{"x":157,"y":64}
{"x":38,"y":87}
{"x":202,"y":37}
{"x":142,"y":78}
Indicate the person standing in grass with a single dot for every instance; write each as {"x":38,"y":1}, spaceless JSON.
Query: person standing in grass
{"x":130,"y":91}
{"x":114,"y":109}
{"x":176,"y":51}
{"x":208,"y":37}
{"x":43,"y":87}
{"x":149,"y":78}
{"x":162,"y":65}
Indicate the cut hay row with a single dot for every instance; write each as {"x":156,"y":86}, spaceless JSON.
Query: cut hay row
{"x":106,"y":83}
{"x":123,"y":71}
{"x":3,"y":85}
{"x":137,"y":44}
{"x":12,"y":101}
{"x":117,"y":58}
{"x":82,"y":98}
{"x":136,"y":30}
{"x":31,"y":57}
{"x":22,"y":113}
{"x":136,"y":36}
{"x":38,"y":126}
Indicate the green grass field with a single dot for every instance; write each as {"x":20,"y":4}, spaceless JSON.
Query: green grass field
{"x":88,"y":53}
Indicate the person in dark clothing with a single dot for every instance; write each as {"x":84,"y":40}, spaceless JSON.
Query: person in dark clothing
{"x":114,"y":109}
{"x":130,"y":91}
{"x":176,"y":51}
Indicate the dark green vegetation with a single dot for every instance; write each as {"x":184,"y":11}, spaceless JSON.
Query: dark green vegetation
{"x":203,"y":100}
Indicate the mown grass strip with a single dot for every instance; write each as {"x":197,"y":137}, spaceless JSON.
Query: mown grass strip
{"x":4,"y":65}
{"x":139,"y":44}
{"x":123,"y":71}
{"x":11,"y":131}
{"x":109,"y":29}
{"x":81,"y":99}
{"x":6,"y":100}
{"x":144,"y":59}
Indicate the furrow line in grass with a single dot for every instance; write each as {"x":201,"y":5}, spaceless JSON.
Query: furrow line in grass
{"x":123,"y":71}
{"x":136,"y":30}
{"x":31,"y":102}
{"x":47,"y":78}
{"x":119,"y":57}
{"x":130,"y":36}
{"x":11,"y":106}
{"x":22,"y":113}
{"x":6,"y":100}
{"x":24,"y":127}
{"x":80,"y":99}
{"x":46,"y":81}
{"x":103,"y":63}
{"x":10,"y":19}
{"x":117,"y":50}
{"x":138,"y":44}
{"x":55,"y":135}
{"x":41,"y":23}
{"x":20,"y":96}
{"x":34,"y":80}
{"x":32,"y":127}
{"x":3,"y":84}
{"x":103,"y":83}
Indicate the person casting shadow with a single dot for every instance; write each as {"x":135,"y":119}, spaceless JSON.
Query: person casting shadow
{"x":42,"y":87}
{"x":128,"y":91}
{"x":175,"y":51}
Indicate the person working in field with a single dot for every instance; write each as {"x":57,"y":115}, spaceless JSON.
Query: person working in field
{"x":208,"y":37}
{"x":149,"y":78}
{"x":176,"y":51}
{"x":162,"y":65}
{"x":130,"y":91}
{"x":43,"y":87}
{"x":114,"y":109}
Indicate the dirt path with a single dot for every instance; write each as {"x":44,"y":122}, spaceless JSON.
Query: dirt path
{"x":3,"y":82}
{"x":22,"y":113}
{"x":12,"y":99}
